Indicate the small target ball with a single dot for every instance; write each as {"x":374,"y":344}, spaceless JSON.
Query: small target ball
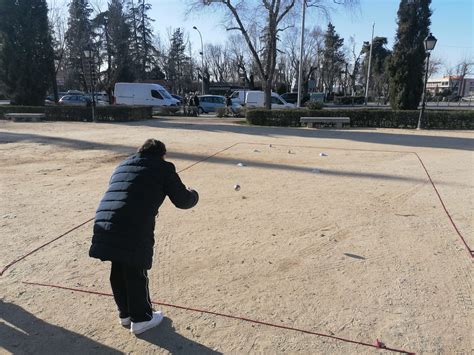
{"x":236,"y":187}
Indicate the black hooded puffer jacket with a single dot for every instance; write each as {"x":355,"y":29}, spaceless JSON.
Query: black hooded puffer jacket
{"x":125,"y":219}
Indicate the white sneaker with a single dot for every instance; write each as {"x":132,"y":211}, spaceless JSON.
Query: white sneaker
{"x":140,"y":327}
{"x":125,"y":321}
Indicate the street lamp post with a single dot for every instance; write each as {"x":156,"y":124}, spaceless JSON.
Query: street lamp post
{"x":430,"y":43}
{"x":89,"y":55}
{"x":202,"y":60}
{"x":370,"y":64}
{"x":300,"y":69}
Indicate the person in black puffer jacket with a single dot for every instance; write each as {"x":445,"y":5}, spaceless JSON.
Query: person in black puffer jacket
{"x":124,"y":228}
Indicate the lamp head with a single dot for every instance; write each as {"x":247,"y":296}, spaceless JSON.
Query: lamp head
{"x":88,"y":52}
{"x":430,"y":42}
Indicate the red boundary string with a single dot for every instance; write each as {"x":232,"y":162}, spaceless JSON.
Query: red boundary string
{"x":91,"y":219}
{"x":469,"y":250}
{"x":377,"y":344}
{"x":42,"y":246}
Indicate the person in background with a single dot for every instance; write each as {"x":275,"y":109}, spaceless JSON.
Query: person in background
{"x":196,"y":103}
{"x":228,"y":106}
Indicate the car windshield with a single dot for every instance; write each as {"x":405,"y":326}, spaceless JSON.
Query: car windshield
{"x":276,"y":100}
{"x":165,"y":94}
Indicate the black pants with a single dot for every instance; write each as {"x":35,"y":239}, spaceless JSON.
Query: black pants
{"x":130,"y":288}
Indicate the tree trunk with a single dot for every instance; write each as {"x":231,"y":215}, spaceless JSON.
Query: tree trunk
{"x":55,"y":87}
{"x":267,"y":88}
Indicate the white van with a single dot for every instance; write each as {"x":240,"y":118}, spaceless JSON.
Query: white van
{"x":143,"y":94}
{"x":238,"y":96}
{"x":257,"y":99}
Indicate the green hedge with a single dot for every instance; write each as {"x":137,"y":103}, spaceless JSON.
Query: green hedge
{"x":349,"y":100}
{"x":262,"y":117}
{"x":441,"y":119}
{"x":77,"y":113}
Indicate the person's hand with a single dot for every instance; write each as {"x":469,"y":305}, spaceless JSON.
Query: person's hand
{"x":195,"y":195}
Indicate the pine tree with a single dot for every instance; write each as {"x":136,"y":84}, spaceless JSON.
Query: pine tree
{"x":26,"y":51}
{"x":112,"y":41}
{"x":78,"y":38}
{"x":142,"y":49}
{"x":333,"y":57}
{"x":120,"y":34}
{"x":176,"y":60}
{"x":406,"y":67}
{"x":378,"y":83}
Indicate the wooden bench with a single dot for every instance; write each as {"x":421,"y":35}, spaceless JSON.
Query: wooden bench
{"x":338,"y":121}
{"x":25,"y":117}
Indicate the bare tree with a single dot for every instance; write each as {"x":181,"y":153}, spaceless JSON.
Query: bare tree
{"x":218,"y":61}
{"x":243,"y":66}
{"x":464,"y":67}
{"x":58,"y":21}
{"x":312,"y":55}
{"x":242,"y":15}
{"x":434,"y":66}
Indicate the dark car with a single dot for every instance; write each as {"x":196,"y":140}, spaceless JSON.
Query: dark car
{"x":292,"y":97}
{"x":49,"y":100}
{"x":210,"y":103}
{"x":75,"y":100}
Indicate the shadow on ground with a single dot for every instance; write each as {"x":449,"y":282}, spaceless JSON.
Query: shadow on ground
{"x":123,"y":150}
{"x":165,"y":337}
{"x":362,"y":135}
{"x":21,"y":332}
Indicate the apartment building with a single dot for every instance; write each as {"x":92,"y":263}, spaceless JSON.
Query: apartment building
{"x":454,"y":83}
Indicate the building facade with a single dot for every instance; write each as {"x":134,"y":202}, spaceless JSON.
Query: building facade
{"x":454,"y":84}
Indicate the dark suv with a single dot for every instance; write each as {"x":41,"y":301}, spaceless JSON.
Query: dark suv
{"x":292,"y":97}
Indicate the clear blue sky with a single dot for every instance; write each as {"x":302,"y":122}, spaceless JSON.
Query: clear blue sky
{"x":452,"y":23}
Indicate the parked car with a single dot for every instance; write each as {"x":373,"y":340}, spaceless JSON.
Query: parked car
{"x":74,"y":92}
{"x":257,"y":99}
{"x":292,"y":97}
{"x":49,"y":100}
{"x":98,"y":100}
{"x":210,"y":103}
{"x":454,"y":98}
{"x":75,"y":100}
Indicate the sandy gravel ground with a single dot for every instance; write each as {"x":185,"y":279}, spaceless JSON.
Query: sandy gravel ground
{"x":355,"y":244}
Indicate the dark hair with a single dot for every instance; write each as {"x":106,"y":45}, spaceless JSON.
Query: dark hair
{"x":153,"y":146}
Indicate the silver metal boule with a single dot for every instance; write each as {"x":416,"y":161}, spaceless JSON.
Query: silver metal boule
{"x":237,"y":187}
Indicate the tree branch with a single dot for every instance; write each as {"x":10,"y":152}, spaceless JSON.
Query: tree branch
{"x":285,"y":28}
{"x":284,"y":13}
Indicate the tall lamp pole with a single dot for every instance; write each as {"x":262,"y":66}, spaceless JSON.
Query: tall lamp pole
{"x":430,"y":43}
{"x":300,"y":69}
{"x":202,"y":60}
{"x":89,"y":55}
{"x":370,"y":64}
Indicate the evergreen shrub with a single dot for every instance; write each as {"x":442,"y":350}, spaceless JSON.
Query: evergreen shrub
{"x":78,"y":113}
{"x":440,"y":119}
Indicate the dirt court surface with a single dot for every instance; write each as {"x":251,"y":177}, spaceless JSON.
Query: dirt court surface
{"x":355,"y":244}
